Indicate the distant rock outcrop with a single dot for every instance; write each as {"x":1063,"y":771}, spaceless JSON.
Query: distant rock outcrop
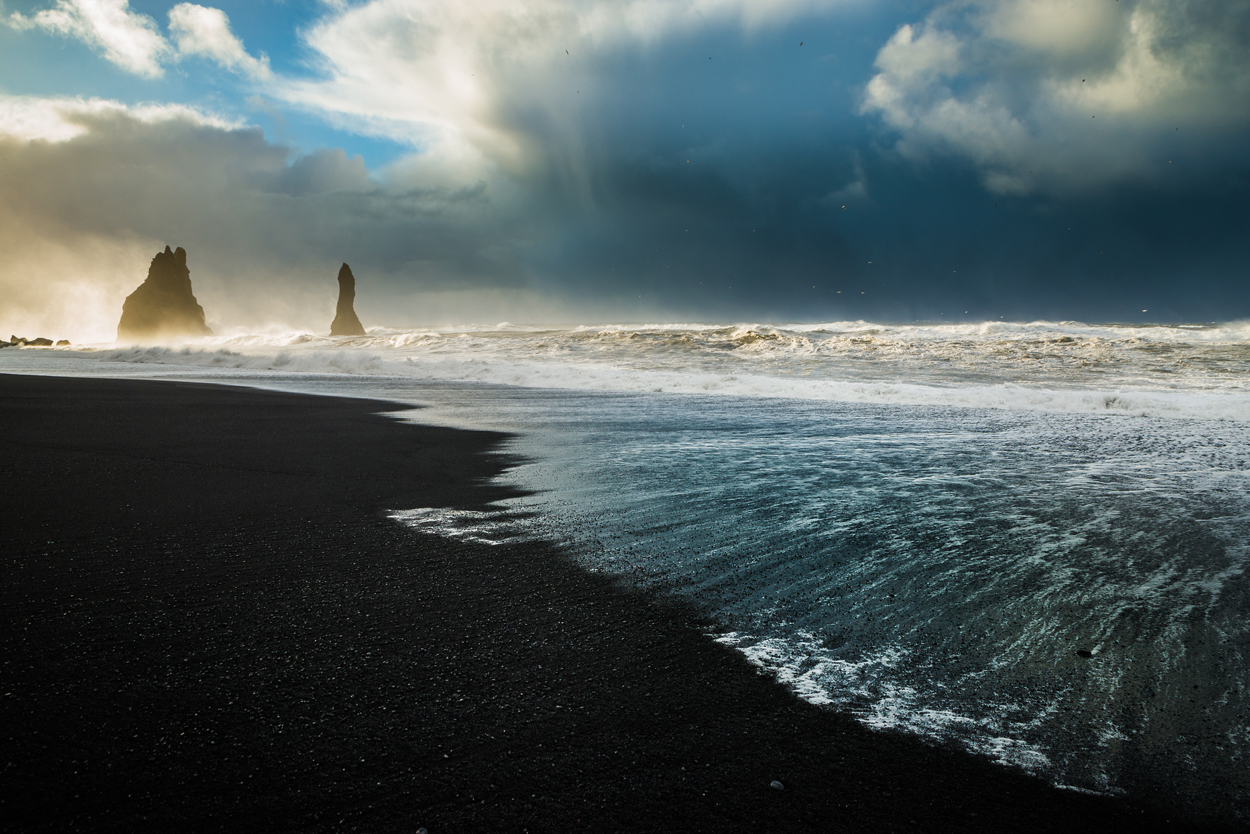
{"x":345,"y":322}
{"x":163,"y":306}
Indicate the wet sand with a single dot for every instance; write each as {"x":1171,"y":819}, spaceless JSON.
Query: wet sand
{"x":210,"y":624}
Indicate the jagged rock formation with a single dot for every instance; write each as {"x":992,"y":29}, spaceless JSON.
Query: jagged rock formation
{"x":163,"y":306}
{"x":345,"y":322}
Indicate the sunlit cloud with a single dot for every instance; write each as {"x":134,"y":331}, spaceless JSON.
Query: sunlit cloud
{"x":94,"y":188}
{"x":130,"y":40}
{"x":1058,"y":94}
{"x":491,"y":80}
{"x":59,"y":119}
{"x":205,"y":32}
{"x":133,"y":41}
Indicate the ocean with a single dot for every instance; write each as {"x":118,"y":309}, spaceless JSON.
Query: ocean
{"x":1028,"y":540}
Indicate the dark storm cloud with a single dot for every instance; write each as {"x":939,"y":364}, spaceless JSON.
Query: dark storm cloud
{"x":757,"y":233}
{"x":681,"y":166}
{"x":915,"y":244}
{"x":717,"y":170}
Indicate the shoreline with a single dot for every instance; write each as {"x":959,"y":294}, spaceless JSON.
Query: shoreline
{"x":214,"y":625}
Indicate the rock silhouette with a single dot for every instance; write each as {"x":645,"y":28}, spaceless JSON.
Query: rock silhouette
{"x":345,"y":322}
{"x":163,"y":307}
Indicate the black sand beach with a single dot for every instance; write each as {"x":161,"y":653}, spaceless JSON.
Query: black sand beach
{"x":210,"y":624}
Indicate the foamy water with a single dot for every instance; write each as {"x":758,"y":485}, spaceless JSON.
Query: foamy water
{"x":1168,"y":371}
{"x":1029,"y":540}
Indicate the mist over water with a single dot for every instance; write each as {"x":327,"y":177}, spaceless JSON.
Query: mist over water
{"x":1029,"y":540}
{"x":1159,"y":370}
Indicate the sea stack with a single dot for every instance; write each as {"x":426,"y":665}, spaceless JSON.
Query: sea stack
{"x":345,"y":322}
{"x":163,"y":306}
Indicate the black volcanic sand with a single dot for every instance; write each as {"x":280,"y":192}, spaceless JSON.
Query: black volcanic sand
{"x":210,"y":624}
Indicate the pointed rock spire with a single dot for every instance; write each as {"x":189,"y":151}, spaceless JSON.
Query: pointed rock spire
{"x":345,"y":322}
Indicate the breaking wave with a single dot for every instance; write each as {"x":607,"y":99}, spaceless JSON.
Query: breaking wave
{"x":1192,"y":371}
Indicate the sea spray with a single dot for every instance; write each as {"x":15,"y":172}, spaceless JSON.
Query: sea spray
{"x":1177,"y":372}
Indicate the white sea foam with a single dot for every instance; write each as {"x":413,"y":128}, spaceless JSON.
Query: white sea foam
{"x":865,"y":688}
{"x":1149,"y":371}
{"x":493,"y":527}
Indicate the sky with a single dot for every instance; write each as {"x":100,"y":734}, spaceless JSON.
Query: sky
{"x":636,"y":160}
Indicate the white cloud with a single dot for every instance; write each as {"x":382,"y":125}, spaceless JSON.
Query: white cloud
{"x":134,"y":42}
{"x":1058,"y":94}
{"x":206,"y":32}
{"x":651,"y":20}
{"x":59,"y":119}
{"x":131,"y":41}
{"x":1056,"y":27}
{"x":458,"y":79}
